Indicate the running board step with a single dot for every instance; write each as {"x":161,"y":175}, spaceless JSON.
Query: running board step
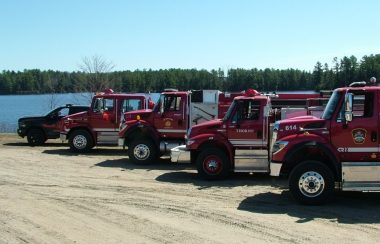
{"x":251,"y":161}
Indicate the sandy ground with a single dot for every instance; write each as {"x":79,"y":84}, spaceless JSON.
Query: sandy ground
{"x":49,"y":195}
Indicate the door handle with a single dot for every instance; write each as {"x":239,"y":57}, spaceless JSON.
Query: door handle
{"x":373,"y":136}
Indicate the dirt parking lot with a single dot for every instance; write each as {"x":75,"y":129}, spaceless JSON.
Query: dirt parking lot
{"x":49,"y":195}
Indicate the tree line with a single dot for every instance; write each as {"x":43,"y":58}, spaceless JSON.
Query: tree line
{"x":323,"y":77}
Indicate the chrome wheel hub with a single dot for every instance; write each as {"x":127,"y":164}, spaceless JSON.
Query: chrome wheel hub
{"x":311,"y":184}
{"x":212,"y":165}
{"x":141,"y":152}
{"x":80,"y":142}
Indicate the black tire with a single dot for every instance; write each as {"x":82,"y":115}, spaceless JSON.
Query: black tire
{"x":142,"y":151}
{"x":81,"y":141}
{"x":36,"y":137}
{"x":213,"y":164}
{"x":311,"y":183}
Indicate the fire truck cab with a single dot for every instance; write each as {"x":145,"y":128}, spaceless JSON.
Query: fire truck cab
{"x":339,"y":150}
{"x":148,"y":134}
{"x":100,"y":124}
{"x":238,"y":142}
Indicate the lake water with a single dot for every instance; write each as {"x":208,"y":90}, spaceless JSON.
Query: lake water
{"x":12,"y":107}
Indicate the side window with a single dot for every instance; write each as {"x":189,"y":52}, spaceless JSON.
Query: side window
{"x":248,"y":110}
{"x":103,"y":104}
{"x":362,"y":105}
{"x":172,"y":103}
{"x":74,"y":110}
{"x":97,"y":105}
{"x":63,"y":112}
{"x":131,"y":105}
{"x":108,"y":104}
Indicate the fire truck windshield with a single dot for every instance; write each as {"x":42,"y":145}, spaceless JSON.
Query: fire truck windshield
{"x":331,"y":105}
{"x":229,"y":111}
{"x":158,"y":104}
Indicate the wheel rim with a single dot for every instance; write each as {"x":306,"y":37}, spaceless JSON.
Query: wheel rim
{"x":80,"y":141}
{"x":141,"y":152}
{"x":212,"y":164}
{"x":311,"y":184}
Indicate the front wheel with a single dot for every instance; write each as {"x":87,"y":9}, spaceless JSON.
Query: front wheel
{"x":81,"y":141}
{"x":212,"y":164}
{"x":311,"y":182}
{"x":36,"y":137}
{"x":142,"y":152}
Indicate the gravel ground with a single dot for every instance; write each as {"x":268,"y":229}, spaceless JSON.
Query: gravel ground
{"x":49,"y":195}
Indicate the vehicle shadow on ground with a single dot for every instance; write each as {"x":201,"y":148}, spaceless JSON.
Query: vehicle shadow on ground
{"x":25,"y":144}
{"x":344,"y":207}
{"x":236,"y":179}
{"x":161,"y":164}
{"x":93,"y":152}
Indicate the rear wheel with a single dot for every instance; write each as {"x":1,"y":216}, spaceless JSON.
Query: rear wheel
{"x":212,"y":164}
{"x":36,"y":137}
{"x":142,"y":151}
{"x":81,"y":141}
{"x":311,"y":183}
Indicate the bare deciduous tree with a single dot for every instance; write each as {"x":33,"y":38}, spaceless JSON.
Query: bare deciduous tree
{"x":52,"y":100}
{"x":94,"y":76}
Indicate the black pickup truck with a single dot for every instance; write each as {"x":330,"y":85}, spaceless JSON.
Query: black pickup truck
{"x":38,"y":129}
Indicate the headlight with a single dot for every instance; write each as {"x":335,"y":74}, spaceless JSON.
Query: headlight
{"x":278,"y":146}
{"x":22,"y":124}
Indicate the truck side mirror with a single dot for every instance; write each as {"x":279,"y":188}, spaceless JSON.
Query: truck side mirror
{"x":348,"y":107}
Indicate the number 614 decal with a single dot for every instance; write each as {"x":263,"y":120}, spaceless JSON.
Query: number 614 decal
{"x":290,"y":127}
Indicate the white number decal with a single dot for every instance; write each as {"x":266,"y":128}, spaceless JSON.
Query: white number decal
{"x":291,"y":127}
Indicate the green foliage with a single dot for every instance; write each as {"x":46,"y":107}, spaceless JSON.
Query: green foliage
{"x":341,"y":73}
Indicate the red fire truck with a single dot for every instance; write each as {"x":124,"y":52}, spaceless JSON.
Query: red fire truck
{"x":239,"y":142}
{"x":100,"y":124}
{"x":149,"y":134}
{"x":339,"y":150}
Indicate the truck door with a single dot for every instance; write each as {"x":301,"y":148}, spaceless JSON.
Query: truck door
{"x":171,"y":118}
{"x":104,"y":120}
{"x":245,"y":128}
{"x":103,"y":115}
{"x":357,"y":142}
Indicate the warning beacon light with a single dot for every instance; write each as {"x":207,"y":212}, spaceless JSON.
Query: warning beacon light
{"x":251,"y":92}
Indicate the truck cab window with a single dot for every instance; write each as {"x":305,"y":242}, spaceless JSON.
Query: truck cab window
{"x":103,"y":104}
{"x":131,"y":105}
{"x":108,"y":104}
{"x":362,"y":106}
{"x":247,"y":110}
{"x":172,"y":103}
{"x":250,"y":110}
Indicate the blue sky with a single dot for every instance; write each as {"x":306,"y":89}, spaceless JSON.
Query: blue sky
{"x":207,"y":34}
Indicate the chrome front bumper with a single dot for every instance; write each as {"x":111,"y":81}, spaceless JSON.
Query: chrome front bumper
{"x":180,"y":154}
{"x":275,"y":168}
